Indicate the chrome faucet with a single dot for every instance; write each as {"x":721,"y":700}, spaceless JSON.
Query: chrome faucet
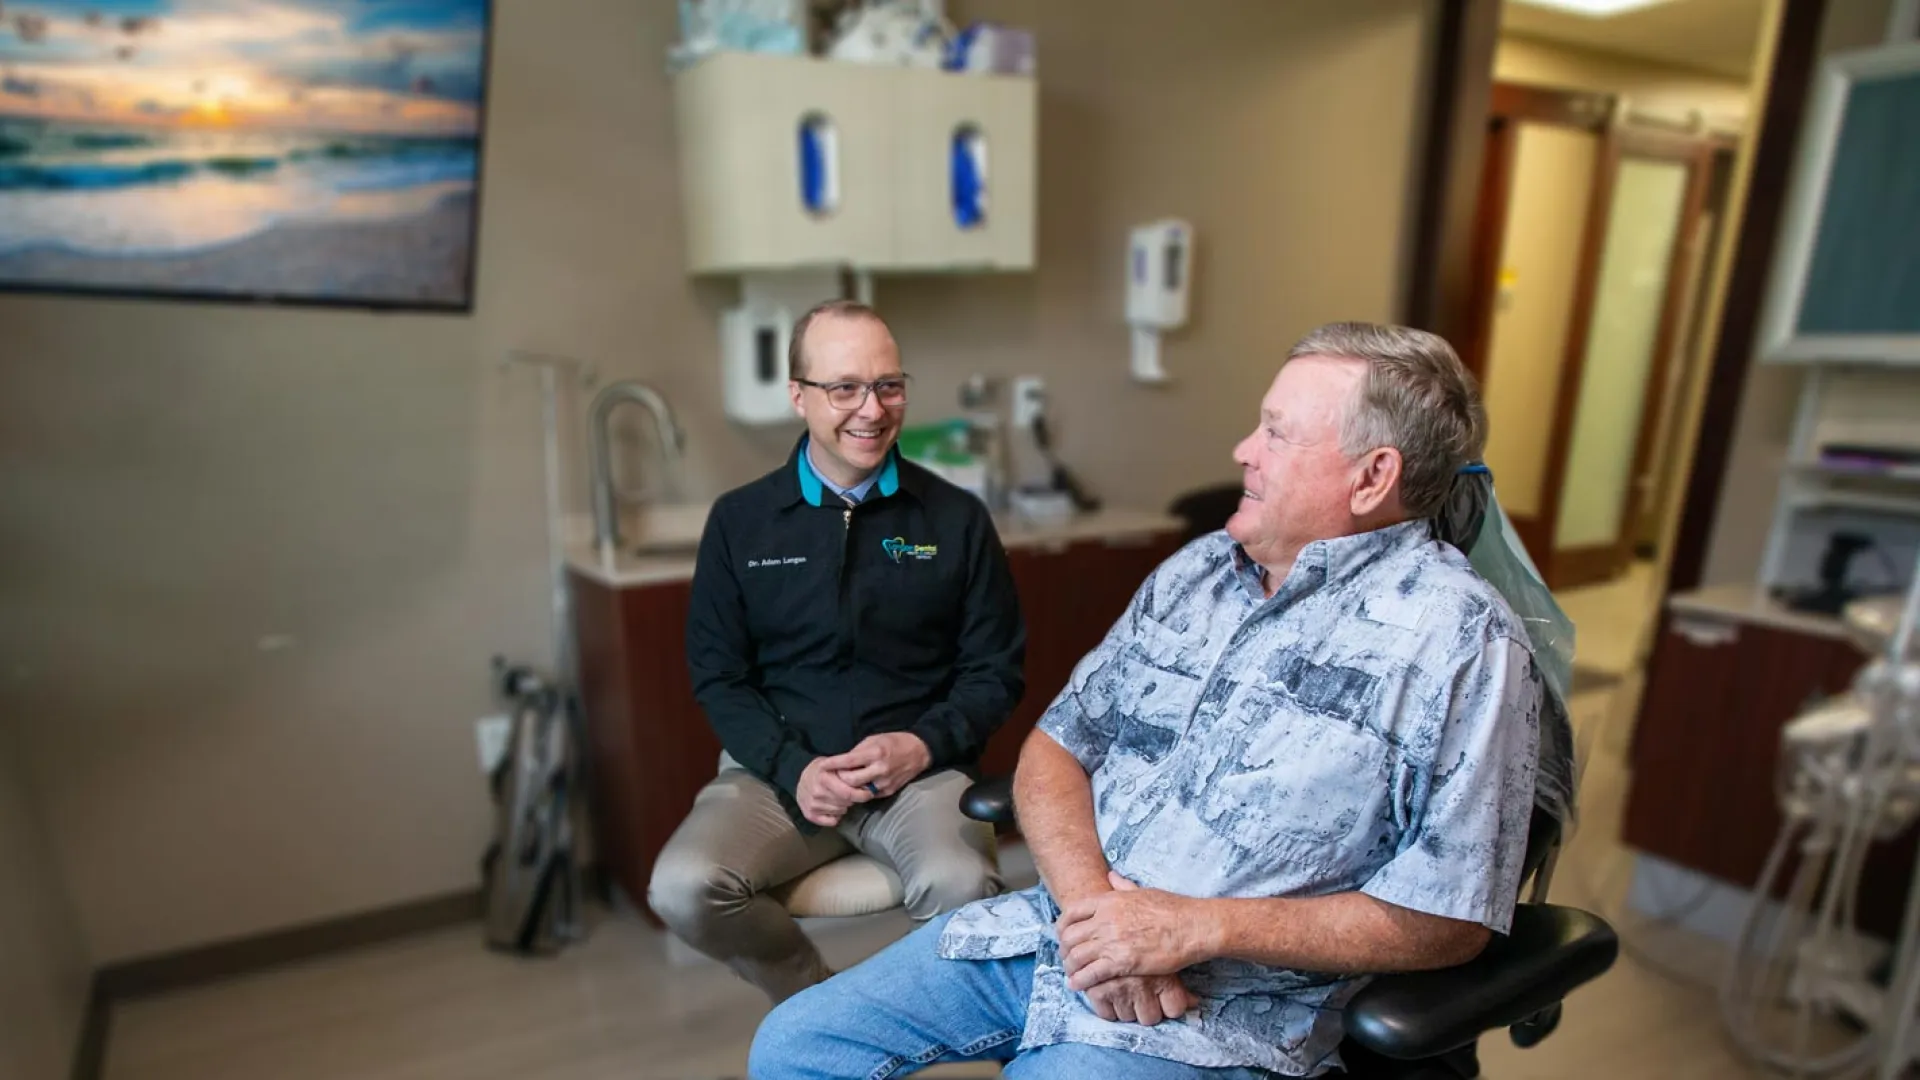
{"x":606,"y":523}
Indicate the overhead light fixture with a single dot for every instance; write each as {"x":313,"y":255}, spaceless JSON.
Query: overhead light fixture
{"x":1592,"y":9}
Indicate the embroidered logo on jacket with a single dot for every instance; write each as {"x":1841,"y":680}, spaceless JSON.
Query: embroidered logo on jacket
{"x":897,"y":548}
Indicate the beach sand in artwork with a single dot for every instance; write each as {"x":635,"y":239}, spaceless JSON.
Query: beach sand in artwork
{"x":423,"y":258}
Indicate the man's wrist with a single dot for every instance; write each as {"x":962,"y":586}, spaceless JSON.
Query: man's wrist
{"x":1208,"y":933}
{"x":789,"y":767}
{"x":1074,"y":888}
{"x":923,"y":754}
{"x":932,"y":736}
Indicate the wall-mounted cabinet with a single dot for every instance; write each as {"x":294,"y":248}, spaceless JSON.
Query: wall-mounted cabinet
{"x":793,"y":162}
{"x":947,"y":127}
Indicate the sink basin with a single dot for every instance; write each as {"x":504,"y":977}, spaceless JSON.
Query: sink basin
{"x":663,"y":530}
{"x":664,"y":546}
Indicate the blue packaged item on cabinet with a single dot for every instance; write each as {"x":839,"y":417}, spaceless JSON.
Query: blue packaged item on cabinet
{"x":969,"y":178}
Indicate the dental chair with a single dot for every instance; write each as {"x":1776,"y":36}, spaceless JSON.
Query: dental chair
{"x":1426,"y":1025}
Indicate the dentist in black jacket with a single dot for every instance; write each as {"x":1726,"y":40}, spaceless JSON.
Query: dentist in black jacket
{"x":854,"y":639}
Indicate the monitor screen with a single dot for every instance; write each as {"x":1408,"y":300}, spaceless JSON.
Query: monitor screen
{"x":296,"y":151}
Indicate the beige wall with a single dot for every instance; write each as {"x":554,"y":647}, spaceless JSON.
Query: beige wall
{"x":362,"y":492}
{"x":43,"y":969}
{"x":1768,"y":403}
{"x":1661,"y":88}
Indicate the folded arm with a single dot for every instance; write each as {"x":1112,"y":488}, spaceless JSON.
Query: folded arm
{"x":1056,"y":815}
{"x":1055,"y":798}
{"x":1133,"y":931}
{"x":1053,"y":793}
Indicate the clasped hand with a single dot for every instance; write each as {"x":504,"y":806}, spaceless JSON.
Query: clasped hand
{"x":1123,"y":949}
{"x":876,"y":768}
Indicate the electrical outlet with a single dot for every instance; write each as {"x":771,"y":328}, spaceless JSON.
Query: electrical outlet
{"x":492,"y":734}
{"x":1029,"y":400}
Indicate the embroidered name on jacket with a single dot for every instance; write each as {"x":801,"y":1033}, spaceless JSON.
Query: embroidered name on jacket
{"x":790,"y":560}
{"x":897,"y":548}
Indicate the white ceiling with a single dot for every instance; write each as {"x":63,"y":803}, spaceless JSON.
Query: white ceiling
{"x":1718,"y":36}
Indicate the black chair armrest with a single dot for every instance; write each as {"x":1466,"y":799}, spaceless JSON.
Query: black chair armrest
{"x":989,"y":800}
{"x":1549,"y":951}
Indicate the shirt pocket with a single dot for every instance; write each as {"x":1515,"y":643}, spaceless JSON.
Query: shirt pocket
{"x":1159,"y":686}
{"x":1287,"y":782}
{"x":1163,"y":648}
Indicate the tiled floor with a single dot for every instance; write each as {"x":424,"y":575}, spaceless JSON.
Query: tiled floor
{"x":622,"y":1005}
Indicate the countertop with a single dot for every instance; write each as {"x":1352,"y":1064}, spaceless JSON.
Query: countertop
{"x":1750,"y":604}
{"x":677,"y":533}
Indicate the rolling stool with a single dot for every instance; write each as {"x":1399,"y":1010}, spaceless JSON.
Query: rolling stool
{"x":850,"y":885}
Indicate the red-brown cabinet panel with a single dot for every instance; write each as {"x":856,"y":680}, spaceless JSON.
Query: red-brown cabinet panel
{"x":1706,"y":751}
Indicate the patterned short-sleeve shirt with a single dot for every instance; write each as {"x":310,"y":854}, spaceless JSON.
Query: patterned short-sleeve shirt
{"x":1372,"y":726}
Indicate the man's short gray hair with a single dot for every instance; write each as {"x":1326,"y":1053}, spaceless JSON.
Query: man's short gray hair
{"x":1417,"y":397}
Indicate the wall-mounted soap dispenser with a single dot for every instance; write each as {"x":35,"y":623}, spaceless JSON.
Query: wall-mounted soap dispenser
{"x":1159,"y":276}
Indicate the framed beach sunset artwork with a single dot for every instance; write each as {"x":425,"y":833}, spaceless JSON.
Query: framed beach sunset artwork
{"x":294,"y":151}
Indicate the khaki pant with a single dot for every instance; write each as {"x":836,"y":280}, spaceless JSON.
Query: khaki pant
{"x":710,"y":881}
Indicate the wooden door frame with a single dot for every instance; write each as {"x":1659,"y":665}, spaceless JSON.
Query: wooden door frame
{"x":1464,"y":35}
{"x":1669,"y":473}
{"x":1512,"y":104}
{"x":1566,"y":568}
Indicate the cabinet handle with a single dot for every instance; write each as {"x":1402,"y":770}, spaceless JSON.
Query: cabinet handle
{"x":1706,"y":633}
{"x":969,"y":176}
{"x":819,"y":165}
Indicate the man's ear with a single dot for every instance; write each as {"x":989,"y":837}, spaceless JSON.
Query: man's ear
{"x":1378,"y":483}
{"x":794,"y":390}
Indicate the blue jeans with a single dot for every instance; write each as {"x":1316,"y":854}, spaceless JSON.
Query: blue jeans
{"x":907,"y":1008}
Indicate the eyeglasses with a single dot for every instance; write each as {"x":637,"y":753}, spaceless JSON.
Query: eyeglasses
{"x":848,"y":396}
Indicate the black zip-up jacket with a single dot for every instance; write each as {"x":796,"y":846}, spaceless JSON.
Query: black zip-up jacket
{"x":814,"y":625}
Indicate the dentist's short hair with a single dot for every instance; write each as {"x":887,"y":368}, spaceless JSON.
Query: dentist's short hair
{"x":796,"y":341}
{"x":1417,"y":397}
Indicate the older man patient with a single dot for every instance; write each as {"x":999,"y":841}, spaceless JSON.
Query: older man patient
{"x":1305,"y":752}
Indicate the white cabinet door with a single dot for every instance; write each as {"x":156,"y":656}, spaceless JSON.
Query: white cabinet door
{"x":992,"y":122}
{"x":740,"y":118}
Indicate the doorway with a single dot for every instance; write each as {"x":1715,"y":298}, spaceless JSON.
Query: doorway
{"x":1592,"y":238}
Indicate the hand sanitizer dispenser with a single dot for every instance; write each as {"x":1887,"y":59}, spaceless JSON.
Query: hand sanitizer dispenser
{"x":753,"y":341}
{"x":1159,"y":273}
